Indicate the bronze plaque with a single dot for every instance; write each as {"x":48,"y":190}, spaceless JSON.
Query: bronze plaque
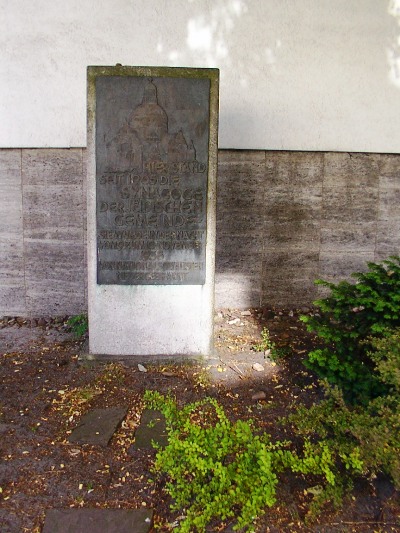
{"x":152,"y":139}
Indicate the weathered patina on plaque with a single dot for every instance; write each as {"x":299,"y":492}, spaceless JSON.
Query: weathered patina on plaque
{"x":151,"y":179}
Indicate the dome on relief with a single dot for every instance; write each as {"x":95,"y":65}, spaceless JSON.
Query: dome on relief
{"x":149,"y":117}
{"x":150,"y":93}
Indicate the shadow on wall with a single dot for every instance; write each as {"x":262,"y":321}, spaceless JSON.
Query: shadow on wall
{"x":268,"y":227}
{"x":275,"y":69}
{"x":226,"y":35}
{"x":393,"y":50}
{"x":212,"y":37}
{"x":285,"y":219}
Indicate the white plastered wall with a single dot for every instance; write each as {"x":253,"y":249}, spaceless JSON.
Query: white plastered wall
{"x":295,"y":74}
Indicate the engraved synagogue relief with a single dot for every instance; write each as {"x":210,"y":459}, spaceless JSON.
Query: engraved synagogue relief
{"x":145,"y":138}
{"x":151,"y":188}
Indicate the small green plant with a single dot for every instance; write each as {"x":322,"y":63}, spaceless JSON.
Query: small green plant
{"x":84,"y":394}
{"x":201,"y":378}
{"x":218,"y":469}
{"x":74,"y":402}
{"x":266,"y":344}
{"x":346,"y":319}
{"x":112,"y":373}
{"x":269,"y":348}
{"x":78,"y":324}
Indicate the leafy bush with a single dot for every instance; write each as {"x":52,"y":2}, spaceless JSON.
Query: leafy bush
{"x":374,"y":428}
{"x":350,"y":315}
{"x":218,"y":469}
{"x":79,"y":324}
{"x":385,"y":353}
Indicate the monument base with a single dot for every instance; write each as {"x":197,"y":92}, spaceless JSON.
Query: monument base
{"x":151,"y":320}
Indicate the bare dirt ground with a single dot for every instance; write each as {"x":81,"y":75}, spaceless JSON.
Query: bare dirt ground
{"x":47,"y":383}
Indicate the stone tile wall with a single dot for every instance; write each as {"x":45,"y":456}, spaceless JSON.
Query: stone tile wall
{"x":283,"y":220}
{"x":287,"y":218}
{"x":12,"y":263}
{"x":42,"y":232}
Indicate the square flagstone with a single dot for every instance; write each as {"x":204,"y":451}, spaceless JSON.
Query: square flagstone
{"x":98,"y":426}
{"x":151,"y":428}
{"x":98,"y":521}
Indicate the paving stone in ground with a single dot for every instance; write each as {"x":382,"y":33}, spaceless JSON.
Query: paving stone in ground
{"x":234,"y":369}
{"x":98,"y":521}
{"x":151,"y":428}
{"x":98,"y":426}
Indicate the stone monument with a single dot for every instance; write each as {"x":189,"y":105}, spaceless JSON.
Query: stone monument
{"x":152,"y":162}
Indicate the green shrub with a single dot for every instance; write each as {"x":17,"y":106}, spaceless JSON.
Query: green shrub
{"x":374,"y":428}
{"x":350,"y":315}
{"x":385,"y":354}
{"x":218,"y":469}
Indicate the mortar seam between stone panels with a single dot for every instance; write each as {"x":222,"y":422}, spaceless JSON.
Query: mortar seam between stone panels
{"x":260,"y":297}
{"x":84,"y":230}
{"x":321,"y":216}
{"x":28,"y":312}
{"x":378,"y":209}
